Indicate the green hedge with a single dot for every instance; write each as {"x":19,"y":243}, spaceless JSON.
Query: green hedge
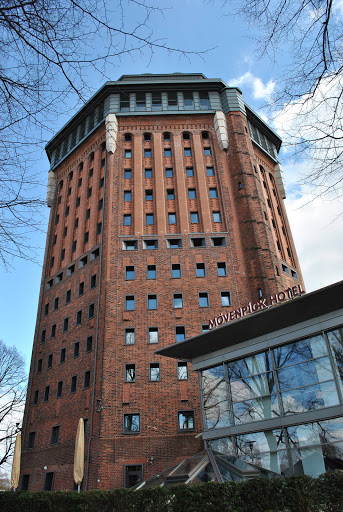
{"x":293,"y":494}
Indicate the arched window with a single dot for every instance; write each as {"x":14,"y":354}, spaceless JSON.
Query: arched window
{"x":127,"y":137}
{"x":186,"y":136}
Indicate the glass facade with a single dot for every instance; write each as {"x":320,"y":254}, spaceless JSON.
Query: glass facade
{"x":281,"y":382}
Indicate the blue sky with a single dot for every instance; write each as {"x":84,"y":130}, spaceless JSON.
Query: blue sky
{"x":194,"y":25}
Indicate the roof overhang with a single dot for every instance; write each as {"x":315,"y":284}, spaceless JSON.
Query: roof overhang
{"x":294,"y":311}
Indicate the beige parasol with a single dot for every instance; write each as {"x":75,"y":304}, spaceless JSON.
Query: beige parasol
{"x":16,"y":462}
{"x":79,"y":454}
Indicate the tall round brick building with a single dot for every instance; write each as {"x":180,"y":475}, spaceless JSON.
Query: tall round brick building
{"x":166,"y":197}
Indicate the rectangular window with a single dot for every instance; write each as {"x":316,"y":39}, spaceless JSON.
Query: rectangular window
{"x":225,"y":298}
{"x":100,"y":204}
{"x":174,"y":243}
{"x":35,"y":397}
{"x":169,"y":172}
{"x":205,"y":328}
{"x":78,"y":317}
{"x":221,"y":268}
{"x":46,"y":309}
{"x":140,"y":101}
{"x":172,"y":101}
{"x":207,"y":151}
{"x":49,"y":365}
{"x":124,"y":102}
{"x":59,"y":389}
{"x":204,"y":101}
{"x":76,"y":223}
{"x":130,"y":303}
{"x":91,"y":311}
{"x":94,"y":254}
{"x":148,"y":195}
{"x":88,"y":213}
{"x":62,"y":355}
{"x":127,"y":174}
{"x":200,"y":270}
{"x":78,"y":201}
{"x":73,"y":384}
{"x":127,"y":153}
{"x":156,"y":101}
{"x":216,"y":217}
{"x":65,"y":324}
{"x":89,"y":192}
{"x":49,"y":284}
{"x":188,"y":100}
{"x":130,"y":273}
{"x":186,"y":420}
{"x":189,"y":172}
{"x":194,"y":218}
{"x":218,"y":241}
{"x":131,"y":423}
{"x":25,"y":483}
{"x":130,"y":373}
{"x":68,"y":296}
{"x":39,"y":365}
{"x":177,"y":300}
{"x":149,"y":219}
{"x":150,"y":244}
{"x":73,"y":246}
{"x":148,"y":173}
{"x":213,"y":193}
{"x":130,"y":245}
{"x":83,"y":261}
{"x":192,"y":193}
{"x":76,"y":349}
{"x":198,"y":242}
{"x":171,"y":218}
{"x":49,"y":481}
{"x":154,"y":372}
{"x":99,"y":228}
{"x":53,"y":331}
{"x":43,"y":336}
{"x":182,"y":370}
{"x":130,"y":336}
{"x":31,"y":440}
{"x":176,"y":270}
{"x":151,"y":272}
{"x":89,"y":343}
{"x":152,"y":301}
{"x":46,"y":393}
{"x":170,"y":194}
{"x":85,"y":237}
{"x":203,"y":300}
{"x":147,"y":153}
{"x":133,"y":475}
{"x":81,"y":288}
{"x":187,"y":151}
{"x":210,"y":171}
{"x":93,"y":282}
{"x":59,"y":277}
{"x":180,"y":333}
{"x":87,"y":379}
{"x":167,"y":152}
{"x":153,"y":335}
{"x":55,"y":433}
{"x":127,"y":219}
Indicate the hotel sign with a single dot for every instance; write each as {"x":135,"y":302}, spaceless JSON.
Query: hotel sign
{"x":249,"y":308}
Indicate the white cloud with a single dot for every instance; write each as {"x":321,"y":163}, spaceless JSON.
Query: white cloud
{"x":259,"y":89}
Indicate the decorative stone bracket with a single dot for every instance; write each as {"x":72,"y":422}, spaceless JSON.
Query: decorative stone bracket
{"x":221,"y":130}
{"x":111,"y":124}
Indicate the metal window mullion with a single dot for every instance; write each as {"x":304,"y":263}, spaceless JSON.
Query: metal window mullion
{"x":333,"y":367}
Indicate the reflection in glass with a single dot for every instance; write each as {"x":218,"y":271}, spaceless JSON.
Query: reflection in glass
{"x":305,"y":374}
{"x":336,"y":341}
{"x":299,"y":351}
{"x":216,"y":406}
{"x":252,"y":387}
{"x":256,"y":409}
{"x":310,"y":398}
{"x":262,"y":449}
{"x":248,"y":366}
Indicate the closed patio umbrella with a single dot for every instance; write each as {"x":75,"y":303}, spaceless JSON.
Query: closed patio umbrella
{"x":79,"y":454}
{"x":16,"y":463}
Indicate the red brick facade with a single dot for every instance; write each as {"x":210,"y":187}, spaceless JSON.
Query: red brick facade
{"x":249,"y":216}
